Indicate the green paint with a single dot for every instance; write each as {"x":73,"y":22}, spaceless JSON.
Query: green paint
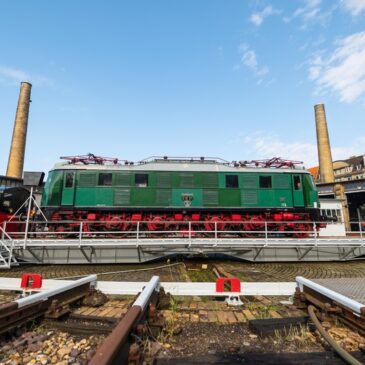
{"x":168,"y":189}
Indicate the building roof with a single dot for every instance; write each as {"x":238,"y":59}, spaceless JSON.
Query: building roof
{"x":314,"y":171}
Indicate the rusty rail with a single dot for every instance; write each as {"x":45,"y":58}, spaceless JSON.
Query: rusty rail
{"x":53,"y":302}
{"x":330,"y":303}
{"x":115,"y":349}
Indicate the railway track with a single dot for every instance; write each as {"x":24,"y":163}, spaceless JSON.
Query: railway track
{"x":52,"y":304}
{"x":61,"y":311}
{"x":329,"y":301}
{"x":130,"y":330}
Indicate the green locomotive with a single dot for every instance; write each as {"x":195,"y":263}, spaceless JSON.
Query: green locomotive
{"x":161,"y":192}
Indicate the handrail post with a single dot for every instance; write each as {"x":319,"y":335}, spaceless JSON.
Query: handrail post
{"x":215,"y":234}
{"x":10,"y":253}
{"x":3,"y":231}
{"x":265,"y":233}
{"x":80,"y":233}
{"x":315,"y":232}
{"x":137,"y":233}
{"x":189,"y":233}
{"x":360,"y":230}
{"x":28,"y":216}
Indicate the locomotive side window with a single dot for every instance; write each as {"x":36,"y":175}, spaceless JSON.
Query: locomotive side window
{"x":265,"y":182}
{"x":141,"y":180}
{"x":69,"y":183}
{"x":297,"y":185}
{"x":231,"y":181}
{"x":105,"y":179}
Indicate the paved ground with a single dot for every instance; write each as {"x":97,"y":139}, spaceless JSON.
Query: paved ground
{"x":192,"y":270}
{"x":288,"y":271}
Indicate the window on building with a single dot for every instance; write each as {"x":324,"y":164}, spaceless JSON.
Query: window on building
{"x":69,"y":183}
{"x":338,"y":214}
{"x":141,"y":180}
{"x":265,"y":182}
{"x":231,"y":181}
{"x":105,"y":179}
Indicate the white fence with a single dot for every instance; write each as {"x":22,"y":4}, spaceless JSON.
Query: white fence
{"x":184,"y":232}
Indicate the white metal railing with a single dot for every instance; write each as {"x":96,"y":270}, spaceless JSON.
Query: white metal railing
{"x":139,"y":232}
{"x":6,"y":249}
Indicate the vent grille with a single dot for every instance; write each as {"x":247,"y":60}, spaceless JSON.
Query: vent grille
{"x":122,"y":196}
{"x":186,"y":180}
{"x":210,"y":197}
{"x":163,"y":197}
{"x":163,"y":180}
{"x":122,"y":179}
{"x":249,"y":181}
{"x":281,"y":182}
{"x":87,"y":179}
{"x":249,"y":197}
{"x":210,"y":180}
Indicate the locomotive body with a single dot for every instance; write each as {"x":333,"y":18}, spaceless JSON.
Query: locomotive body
{"x":162,"y":190}
{"x":13,"y":201}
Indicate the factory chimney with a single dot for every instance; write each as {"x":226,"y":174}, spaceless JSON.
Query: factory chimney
{"x":323,"y":143}
{"x":17,"y":148}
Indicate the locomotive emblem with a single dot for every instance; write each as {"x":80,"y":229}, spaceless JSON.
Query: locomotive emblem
{"x":187,"y":199}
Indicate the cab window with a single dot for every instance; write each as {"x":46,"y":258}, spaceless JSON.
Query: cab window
{"x":69,"y":183}
{"x":141,"y":180}
{"x":231,"y":181}
{"x":105,"y":179}
{"x":297,"y":184}
{"x":265,"y":182}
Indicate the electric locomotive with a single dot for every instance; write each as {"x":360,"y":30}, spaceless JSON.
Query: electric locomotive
{"x":164,"y":193}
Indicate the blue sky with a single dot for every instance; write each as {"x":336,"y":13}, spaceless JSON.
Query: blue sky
{"x":234,"y":79}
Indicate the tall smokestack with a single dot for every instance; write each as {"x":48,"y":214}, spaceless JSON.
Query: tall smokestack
{"x":323,"y":143}
{"x":17,"y":148}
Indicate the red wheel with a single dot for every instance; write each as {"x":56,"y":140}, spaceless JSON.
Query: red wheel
{"x":256,"y":223}
{"x":116,"y":224}
{"x":214,"y":221}
{"x":155,"y":223}
{"x":302,"y":230}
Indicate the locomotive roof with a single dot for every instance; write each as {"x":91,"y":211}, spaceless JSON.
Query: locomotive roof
{"x":186,"y":166}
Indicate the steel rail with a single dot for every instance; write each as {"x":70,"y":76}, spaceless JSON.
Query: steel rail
{"x":34,"y":298}
{"x":23,"y":310}
{"x":336,"y":347}
{"x":337,"y":297}
{"x":115,"y":349}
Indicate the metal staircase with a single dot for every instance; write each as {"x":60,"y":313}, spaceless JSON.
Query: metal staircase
{"x":7,"y":259}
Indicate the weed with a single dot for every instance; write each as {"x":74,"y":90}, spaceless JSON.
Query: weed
{"x":299,"y":336}
{"x":174,"y":305}
{"x":261,"y":311}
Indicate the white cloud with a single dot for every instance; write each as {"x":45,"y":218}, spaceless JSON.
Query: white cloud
{"x":310,"y":9}
{"x":261,"y":145}
{"x":355,"y":7}
{"x":249,"y":59}
{"x":311,"y":13}
{"x":258,"y":17}
{"x":14,"y":75}
{"x":342,"y":71}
